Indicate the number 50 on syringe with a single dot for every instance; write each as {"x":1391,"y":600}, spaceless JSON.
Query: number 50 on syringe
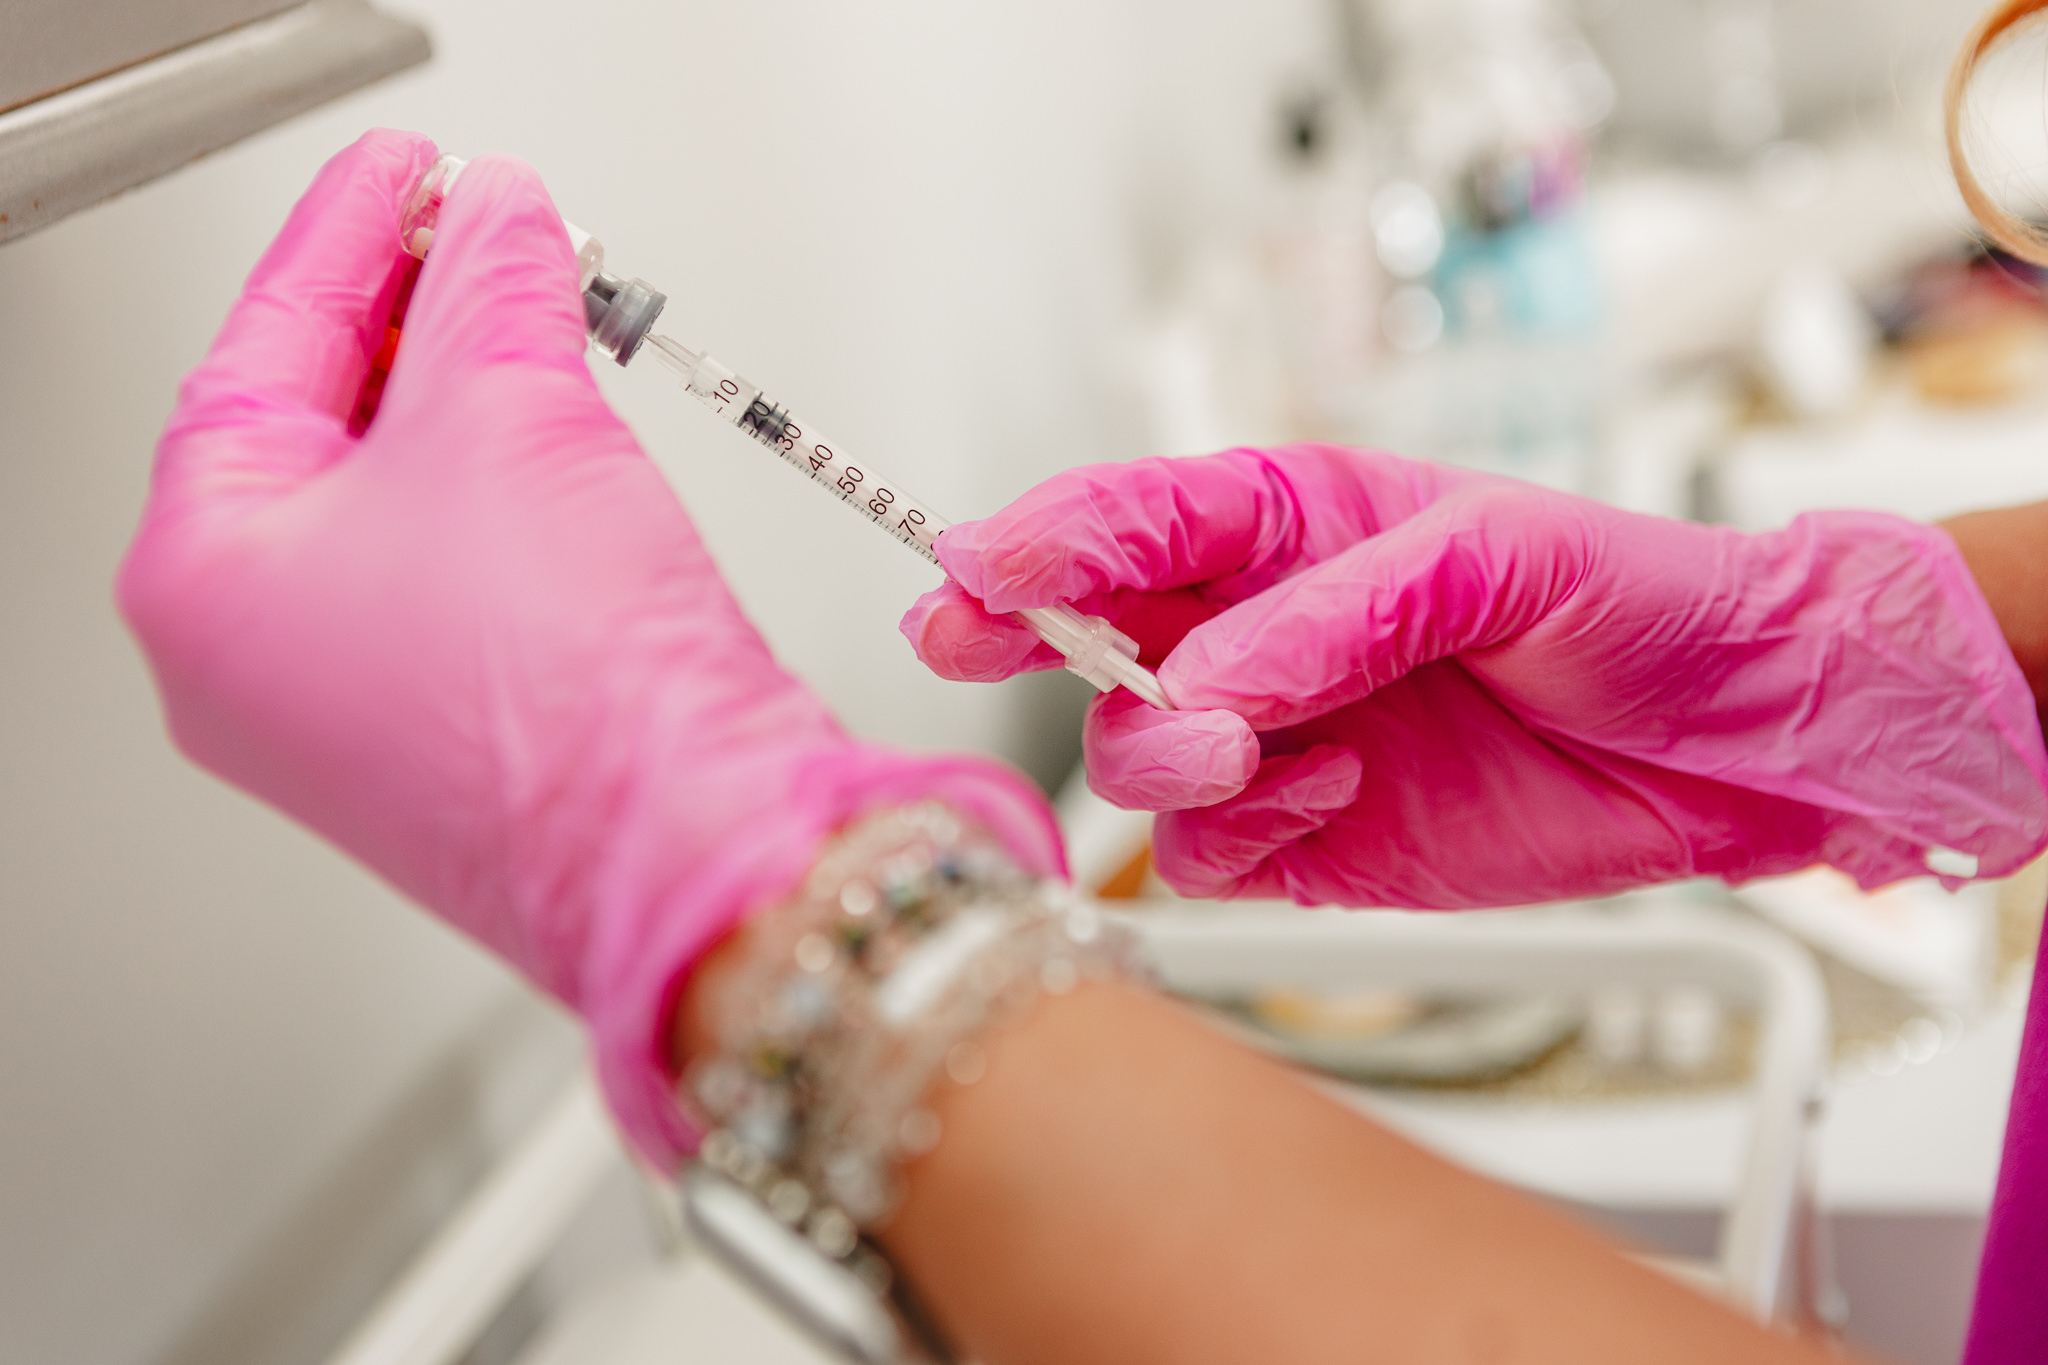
{"x":619,"y":315}
{"x":1093,"y":648}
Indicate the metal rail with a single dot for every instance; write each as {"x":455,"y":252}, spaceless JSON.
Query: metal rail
{"x":68,"y":151}
{"x":457,"y":1284}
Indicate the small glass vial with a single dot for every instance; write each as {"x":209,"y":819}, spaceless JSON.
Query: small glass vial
{"x":618,"y":313}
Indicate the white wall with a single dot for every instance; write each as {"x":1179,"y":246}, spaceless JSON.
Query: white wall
{"x":234,"y":1071}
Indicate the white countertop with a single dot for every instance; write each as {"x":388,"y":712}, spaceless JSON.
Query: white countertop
{"x":1925,"y":1140}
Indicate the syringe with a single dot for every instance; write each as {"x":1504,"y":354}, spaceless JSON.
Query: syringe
{"x":621,"y":314}
{"x":1095,"y":649}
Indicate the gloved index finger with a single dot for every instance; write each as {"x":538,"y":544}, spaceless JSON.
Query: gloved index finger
{"x":500,"y":282}
{"x":1231,"y":524}
{"x":1467,"y":574}
{"x":300,"y":335}
{"x":1151,"y":524}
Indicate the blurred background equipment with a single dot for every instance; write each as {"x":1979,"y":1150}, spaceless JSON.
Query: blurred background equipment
{"x":1695,"y":257}
{"x":1701,"y":259}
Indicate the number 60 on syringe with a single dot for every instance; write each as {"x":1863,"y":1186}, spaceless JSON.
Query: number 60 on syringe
{"x":1093,"y":648}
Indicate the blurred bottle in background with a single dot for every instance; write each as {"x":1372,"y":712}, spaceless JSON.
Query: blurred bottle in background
{"x":1426,"y":280}
{"x":1482,"y":114}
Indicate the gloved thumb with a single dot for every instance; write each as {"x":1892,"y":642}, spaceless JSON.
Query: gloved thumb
{"x":500,"y":284}
{"x":957,"y":638}
{"x":1141,"y":758}
{"x":1220,"y":851}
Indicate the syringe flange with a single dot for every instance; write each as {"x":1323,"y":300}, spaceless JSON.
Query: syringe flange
{"x":1096,"y":650}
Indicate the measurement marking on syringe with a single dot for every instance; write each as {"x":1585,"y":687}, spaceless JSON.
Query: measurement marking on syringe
{"x":1093,"y":648}
{"x":862,"y":489}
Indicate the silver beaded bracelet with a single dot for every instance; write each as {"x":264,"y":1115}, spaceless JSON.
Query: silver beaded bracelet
{"x":914,"y":933}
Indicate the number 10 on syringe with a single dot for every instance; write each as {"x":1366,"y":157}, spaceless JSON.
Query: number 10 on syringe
{"x":619,"y":315}
{"x":1095,"y":649}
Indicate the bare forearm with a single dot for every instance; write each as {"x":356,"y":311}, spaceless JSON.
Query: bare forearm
{"x":1126,"y":1185}
{"x":2007,"y":551}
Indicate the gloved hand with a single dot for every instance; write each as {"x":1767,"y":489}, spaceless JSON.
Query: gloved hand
{"x":482,"y":648}
{"x":1410,"y":685}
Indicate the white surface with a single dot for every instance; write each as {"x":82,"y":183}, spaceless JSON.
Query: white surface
{"x":1688,"y":258}
{"x":1101,"y":838}
{"x":688,"y":1312}
{"x":1899,"y":456}
{"x":1928,"y":1138}
{"x":462,"y":1278}
{"x":1816,"y":341}
{"x":1925,"y":1140}
{"x":1937,"y":944}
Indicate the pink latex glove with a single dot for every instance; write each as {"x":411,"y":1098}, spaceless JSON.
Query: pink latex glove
{"x":482,"y":648}
{"x":1410,"y":685}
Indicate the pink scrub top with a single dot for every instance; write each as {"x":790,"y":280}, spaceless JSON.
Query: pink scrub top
{"x":2010,"y":1325}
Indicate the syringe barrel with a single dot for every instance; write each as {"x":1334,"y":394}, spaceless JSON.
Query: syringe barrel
{"x":798,"y":443}
{"x":1093,"y":648}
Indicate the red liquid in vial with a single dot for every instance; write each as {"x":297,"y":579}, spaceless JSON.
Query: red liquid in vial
{"x":372,"y":391}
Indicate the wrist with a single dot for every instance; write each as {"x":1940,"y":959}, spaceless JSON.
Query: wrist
{"x":2006,"y":552}
{"x":838,"y":1007}
{"x":659,"y":916}
{"x":822,"y":1038}
{"x":993,"y":795}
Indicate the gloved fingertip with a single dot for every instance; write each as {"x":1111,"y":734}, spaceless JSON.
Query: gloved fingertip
{"x":367,"y":180}
{"x":973,"y":556}
{"x":956,"y":639}
{"x":1225,"y":850}
{"x":396,"y":145}
{"x":959,"y":550}
{"x":501,"y":280}
{"x":1141,"y":758}
{"x":498,"y":180}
